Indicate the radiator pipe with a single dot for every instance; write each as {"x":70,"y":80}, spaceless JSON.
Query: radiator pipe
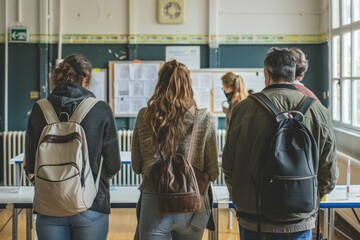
{"x":59,"y":58}
{"x":19,"y":14}
{"x":6,"y":68}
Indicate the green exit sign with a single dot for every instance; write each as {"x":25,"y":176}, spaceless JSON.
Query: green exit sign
{"x":19,"y":35}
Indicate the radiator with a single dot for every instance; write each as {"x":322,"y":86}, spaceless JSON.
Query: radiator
{"x":125,"y":177}
{"x":13,"y":145}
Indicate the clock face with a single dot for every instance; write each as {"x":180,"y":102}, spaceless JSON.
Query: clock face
{"x":172,"y":10}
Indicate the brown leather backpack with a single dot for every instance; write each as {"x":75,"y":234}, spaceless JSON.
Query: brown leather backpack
{"x":178,"y":190}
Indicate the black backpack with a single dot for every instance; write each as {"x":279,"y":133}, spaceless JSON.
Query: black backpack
{"x":288,"y":190}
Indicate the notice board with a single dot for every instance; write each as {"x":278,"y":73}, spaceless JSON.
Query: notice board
{"x":207,"y":85}
{"x":131,"y":85}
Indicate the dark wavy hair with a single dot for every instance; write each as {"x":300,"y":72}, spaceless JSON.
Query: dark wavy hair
{"x":74,"y":68}
{"x":172,"y":98}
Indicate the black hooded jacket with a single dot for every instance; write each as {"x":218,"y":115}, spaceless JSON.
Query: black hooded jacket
{"x":100,"y":130}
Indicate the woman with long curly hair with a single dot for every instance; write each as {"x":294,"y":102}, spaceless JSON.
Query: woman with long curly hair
{"x":164,"y":128}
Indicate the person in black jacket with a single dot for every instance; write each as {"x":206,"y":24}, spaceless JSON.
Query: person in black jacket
{"x":70,"y":81}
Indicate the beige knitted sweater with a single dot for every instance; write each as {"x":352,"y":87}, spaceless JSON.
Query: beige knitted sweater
{"x":205,"y":156}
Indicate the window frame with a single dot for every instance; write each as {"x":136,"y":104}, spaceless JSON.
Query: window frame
{"x":340,"y":32}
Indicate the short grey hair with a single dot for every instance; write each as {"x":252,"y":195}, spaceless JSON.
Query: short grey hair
{"x":281,"y":64}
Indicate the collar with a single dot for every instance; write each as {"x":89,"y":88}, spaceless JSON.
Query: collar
{"x":281,"y":85}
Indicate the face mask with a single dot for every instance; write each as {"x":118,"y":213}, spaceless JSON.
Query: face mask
{"x":229,"y":95}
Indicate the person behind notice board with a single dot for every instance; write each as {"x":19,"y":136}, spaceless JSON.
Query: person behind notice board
{"x":302,"y":65}
{"x":165,"y":127}
{"x":71,"y":80}
{"x":249,"y":134}
{"x":234,"y":90}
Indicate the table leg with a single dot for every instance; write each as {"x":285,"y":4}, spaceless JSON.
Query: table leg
{"x":332,"y":223}
{"x":14,"y":223}
{"x":214,"y":235}
{"x":28,"y":223}
{"x":326,"y":223}
{"x":230,"y":219}
{"x":18,"y":174}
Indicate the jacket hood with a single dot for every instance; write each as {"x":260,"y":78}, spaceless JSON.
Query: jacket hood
{"x":66,"y":96}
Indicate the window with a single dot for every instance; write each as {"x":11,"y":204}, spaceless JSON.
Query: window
{"x":356,"y":53}
{"x":346,"y":16}
{"x":346,"y":54}
{"x":356,"y":10}
{"x":336,"y":100}
{"x":356,"y":106}
{"x":345,"y":63}
{"x":336,"y":57}
{"x":346,"y":101}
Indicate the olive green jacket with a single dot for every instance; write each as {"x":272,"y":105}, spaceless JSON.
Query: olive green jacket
{"x":249,"y":135}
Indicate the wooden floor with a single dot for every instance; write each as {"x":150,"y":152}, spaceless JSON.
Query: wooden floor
{"x":122,"y":226}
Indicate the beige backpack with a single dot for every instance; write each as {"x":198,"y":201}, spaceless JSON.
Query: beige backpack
{"x":64,"y":183}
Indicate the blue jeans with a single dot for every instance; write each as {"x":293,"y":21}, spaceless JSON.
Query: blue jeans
{"x":246,"y":234}
{"x":154,"y":226}
{"x":88,"y":225}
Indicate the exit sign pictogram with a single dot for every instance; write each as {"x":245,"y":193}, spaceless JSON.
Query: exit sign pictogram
{"x":19,"y":35}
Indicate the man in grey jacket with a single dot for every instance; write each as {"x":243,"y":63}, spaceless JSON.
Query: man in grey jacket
{"x":250,"y":131}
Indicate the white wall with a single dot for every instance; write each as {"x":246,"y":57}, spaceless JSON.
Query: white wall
{"x":305,"y":17}
{"x":324,"y":17}
{"x":269,"y":17}
{"x":95,"y":16}
{"x":196,"y":22}
{"x":27,"y":14}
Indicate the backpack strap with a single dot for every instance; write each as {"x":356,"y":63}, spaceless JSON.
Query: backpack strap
{"x":48,"y":111}
{"x":99,"y":174}
{"x":78,"y":115}
{"x":303,"y":106}
{"x":265,"y":101}
{"x":83,"y":109}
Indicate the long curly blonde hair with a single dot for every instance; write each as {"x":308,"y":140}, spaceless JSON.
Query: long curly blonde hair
{"x":172,"y":98}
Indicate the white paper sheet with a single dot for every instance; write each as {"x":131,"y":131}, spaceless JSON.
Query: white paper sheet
{"x":121,"y":72}
{"x":98,"y":85}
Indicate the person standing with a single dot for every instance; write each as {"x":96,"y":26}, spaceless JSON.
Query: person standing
{"x":302,"y":65}
{"x":70,"y":80}
{"x":234,"y":90}
{"x":249,"y":135}
{"x":165,"y":127}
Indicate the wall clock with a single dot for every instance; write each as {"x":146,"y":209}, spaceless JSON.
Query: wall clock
{"x":171,"y":11}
